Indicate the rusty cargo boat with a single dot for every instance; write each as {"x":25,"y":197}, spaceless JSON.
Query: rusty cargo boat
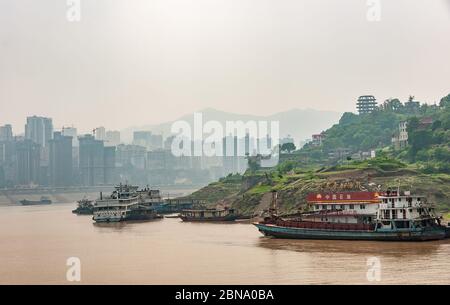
{"x":389,"y":216}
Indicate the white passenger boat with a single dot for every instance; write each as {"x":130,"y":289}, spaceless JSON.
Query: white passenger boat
{"x":126,"y":203}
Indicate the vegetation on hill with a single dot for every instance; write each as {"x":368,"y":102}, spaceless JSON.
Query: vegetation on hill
{"x":422,"y":166}
{"x":219,"y":190}
{"x":429,"y":145}
{"x":428,"y":132}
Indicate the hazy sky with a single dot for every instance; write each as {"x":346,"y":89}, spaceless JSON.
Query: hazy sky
{"x":147,"y":61}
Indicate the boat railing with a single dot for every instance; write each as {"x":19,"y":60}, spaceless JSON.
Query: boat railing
{"x":116,"y":202}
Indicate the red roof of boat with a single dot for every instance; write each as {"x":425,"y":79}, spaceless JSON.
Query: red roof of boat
{"x":343,"y":197}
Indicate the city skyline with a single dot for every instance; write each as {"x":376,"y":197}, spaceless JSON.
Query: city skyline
{"x":181,"y":57}
{"x":297,"y":123}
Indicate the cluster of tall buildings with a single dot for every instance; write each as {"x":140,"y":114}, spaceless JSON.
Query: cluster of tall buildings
{"x":153,"y":160}
{"x":148,"y":140}
{"x":109,"y":137}
{"x":44,"y":157}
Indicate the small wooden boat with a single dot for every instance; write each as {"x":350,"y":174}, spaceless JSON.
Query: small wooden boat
{"x":205,"y":215}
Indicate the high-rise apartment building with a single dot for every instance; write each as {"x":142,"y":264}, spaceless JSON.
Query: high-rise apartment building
{"x":61,"y":163}
{"x":112,"y":138}
{"x":39,"y":130}
{"x":100,"y":133}
{"x":71,"y":132}
{"x":6,"y":133}
{"x":28,"y":162}
{"x":97,"y":163}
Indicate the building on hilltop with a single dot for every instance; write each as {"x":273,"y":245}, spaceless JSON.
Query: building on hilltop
{"x":425,"y":122}
{"x":366,"y":104}
{"x":317,"y":139}
{"x":400,"y":138}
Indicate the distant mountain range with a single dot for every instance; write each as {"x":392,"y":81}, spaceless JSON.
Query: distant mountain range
{"x":298,"y":123}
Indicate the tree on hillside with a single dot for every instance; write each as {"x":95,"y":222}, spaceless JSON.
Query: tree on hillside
{"x":348,"y":118}
{"x":392,"y":104}
{"x":445,"y":102}
{"x":413,"y":124}
{"x":289,"y":147}
{"x":418,"y":138}
{"x":286,"y":166}
{"x":253,"y":164}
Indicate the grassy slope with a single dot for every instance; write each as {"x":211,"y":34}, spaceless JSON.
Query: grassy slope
{"x":219,"y":190}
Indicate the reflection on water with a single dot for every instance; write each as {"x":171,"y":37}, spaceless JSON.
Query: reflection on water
{"x":36,"y":242}
{"x":119,"y":226}
{"x":398,"y":249}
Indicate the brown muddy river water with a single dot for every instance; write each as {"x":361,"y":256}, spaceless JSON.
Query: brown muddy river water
{"x":36,"y":241}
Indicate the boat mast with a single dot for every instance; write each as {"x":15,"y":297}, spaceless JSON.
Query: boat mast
{"x":273,"y":205}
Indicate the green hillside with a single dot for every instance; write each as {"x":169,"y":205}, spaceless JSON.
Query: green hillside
{"x":374,"y":132}
{"x":422,"y":166}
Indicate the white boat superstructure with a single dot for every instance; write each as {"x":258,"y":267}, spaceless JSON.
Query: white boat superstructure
{"x":118,"y":205}
{"x":127,"y":203}
{"x":401,"y":210}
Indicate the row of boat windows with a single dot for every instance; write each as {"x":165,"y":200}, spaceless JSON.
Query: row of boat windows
{"x":404,"y":224}
{"x":409,"y":200}
{"x":109,"y":208}
{"x":394,"y":214}
{"x":340,"y":207}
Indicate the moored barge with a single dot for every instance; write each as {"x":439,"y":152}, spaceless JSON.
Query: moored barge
{"x":204,"y":215}
{"x":391,"y":216}
{"x":170,"y":206}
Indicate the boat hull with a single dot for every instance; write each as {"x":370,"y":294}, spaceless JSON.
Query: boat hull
{"x":322,"y":234}
{"x":83,"y":211}
{"x":29,"y":202}
{"x":210,"y":219}
{"x":107,"y":219}
{"x":141,"y":215}
{"x":167,"y":208}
